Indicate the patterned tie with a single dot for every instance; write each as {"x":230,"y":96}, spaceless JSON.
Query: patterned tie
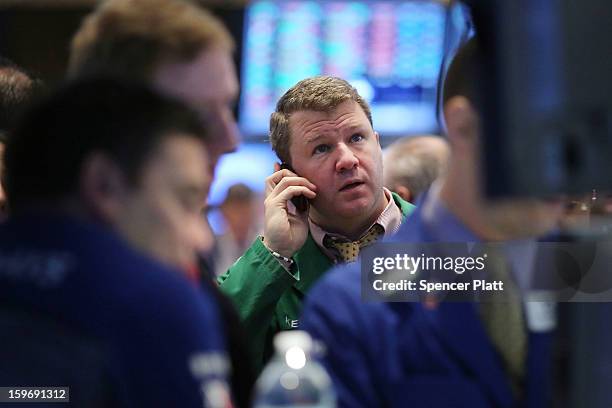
{"x":349,"y":250}
{"x":503,"y":319}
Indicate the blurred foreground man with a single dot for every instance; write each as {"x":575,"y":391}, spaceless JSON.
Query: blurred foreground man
{"x":332,"y":160}
{"x":87,"y":171}
{"x":184,"y":52}
{"x":176,"y":46}
{"x":440,"y":354}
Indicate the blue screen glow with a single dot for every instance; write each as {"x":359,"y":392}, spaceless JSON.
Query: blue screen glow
{"x":390,"y":51}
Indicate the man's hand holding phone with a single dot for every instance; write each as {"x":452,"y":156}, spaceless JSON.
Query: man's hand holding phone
{"x":285,"y":232}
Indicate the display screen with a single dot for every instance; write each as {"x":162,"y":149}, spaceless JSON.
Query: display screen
{"x":390,"y":51}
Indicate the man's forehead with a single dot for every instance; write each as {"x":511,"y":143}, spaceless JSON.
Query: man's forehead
{"x":344,"y":106}
{"x":183,"y":150}
{"x":347,"y":115}
{"x":210,"y":77}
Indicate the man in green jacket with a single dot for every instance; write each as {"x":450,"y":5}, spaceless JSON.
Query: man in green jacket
{"x":332,"y":160}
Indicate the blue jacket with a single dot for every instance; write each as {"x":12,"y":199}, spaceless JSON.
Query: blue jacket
{"x":406,"y":355}
{"x":157,"y":335}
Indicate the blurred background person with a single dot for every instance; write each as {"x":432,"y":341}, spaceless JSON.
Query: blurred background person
{"x":242,"y":215}
{"x":588,"y":214}
{"x":576,"y":213}
{"x":600,"y":205}
{"x":17,"y":88}
{"x":411,"y":164}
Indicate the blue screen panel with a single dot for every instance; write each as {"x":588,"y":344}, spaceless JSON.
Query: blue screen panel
{"x":390,"y":51}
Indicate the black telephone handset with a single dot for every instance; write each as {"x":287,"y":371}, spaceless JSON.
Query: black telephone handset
{"x":300,"y":202}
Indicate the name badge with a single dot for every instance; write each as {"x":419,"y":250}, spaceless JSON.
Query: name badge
{"x":541,"y":315}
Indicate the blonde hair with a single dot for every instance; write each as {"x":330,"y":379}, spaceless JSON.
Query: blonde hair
{"x":319,"y":94}
{"x":131,"y":38}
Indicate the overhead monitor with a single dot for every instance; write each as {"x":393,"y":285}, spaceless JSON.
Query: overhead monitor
{"x":390,"y":51}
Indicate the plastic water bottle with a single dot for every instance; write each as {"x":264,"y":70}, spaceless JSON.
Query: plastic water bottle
{"x":292,"y":378}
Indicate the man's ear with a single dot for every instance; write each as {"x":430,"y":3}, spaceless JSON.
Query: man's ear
{"x":103,"y":187}
{"x":461,"y":121}
{"x":404,"y":192}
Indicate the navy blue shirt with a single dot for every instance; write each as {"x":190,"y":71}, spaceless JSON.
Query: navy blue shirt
{"x":406,"y":354}
{"x":160,"y":336}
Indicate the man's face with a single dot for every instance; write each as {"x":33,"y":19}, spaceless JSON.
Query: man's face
{"x":242,"y":216}
{"x":208,"y":85}
{"x":162,"y":215}
{"x":506,"y":219}
{"x":338,"y":151}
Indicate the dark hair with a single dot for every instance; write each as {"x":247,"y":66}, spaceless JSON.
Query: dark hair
{"x":17,"y":90}
{"x":124,"y":121}
{"x":238,"y":193}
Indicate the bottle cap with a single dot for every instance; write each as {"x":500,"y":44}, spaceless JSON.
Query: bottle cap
{"x":293,"y":338}
{"x":294,"y":347}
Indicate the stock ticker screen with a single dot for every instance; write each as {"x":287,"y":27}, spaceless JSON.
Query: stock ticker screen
{"x":391,"y":51}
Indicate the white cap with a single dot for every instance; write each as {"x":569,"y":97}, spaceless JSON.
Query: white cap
{"x":284,"y":340}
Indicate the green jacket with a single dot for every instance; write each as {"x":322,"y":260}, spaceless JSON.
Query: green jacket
{"x":269,"y":299}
